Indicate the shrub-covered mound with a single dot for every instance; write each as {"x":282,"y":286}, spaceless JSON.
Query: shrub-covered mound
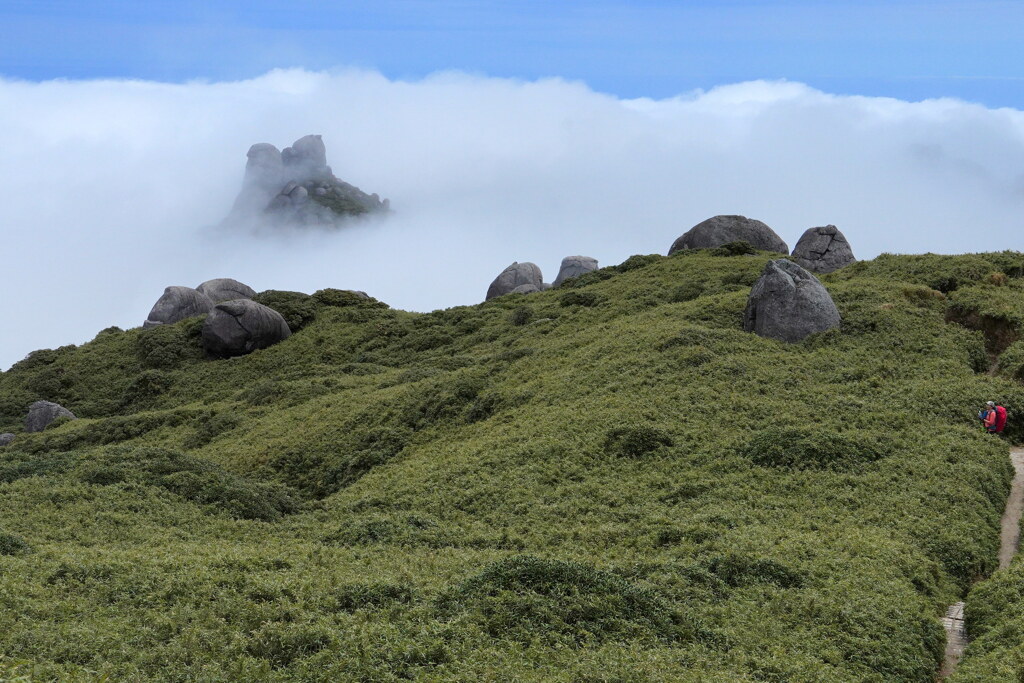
{"x":605,"y":481}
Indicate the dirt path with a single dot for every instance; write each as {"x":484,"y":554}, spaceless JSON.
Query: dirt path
{"x":1010,"y":539}
{"x":956,"y":634}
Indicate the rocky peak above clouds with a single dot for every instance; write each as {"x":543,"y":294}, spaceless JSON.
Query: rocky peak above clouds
{"x":296,"y":187}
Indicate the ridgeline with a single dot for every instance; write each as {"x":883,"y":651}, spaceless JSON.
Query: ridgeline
{"x":605,"y":481}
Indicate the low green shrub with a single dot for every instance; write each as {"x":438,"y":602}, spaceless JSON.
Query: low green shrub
{"x":587,"y":279}
{"x":166,"y":347}
{"x":209,"y":426}
{"x":353,"y":596}
{"x":297,"y":309}
{"x":584,"y":299}
{"x":520,"y":316}
{"x":637,"y":261}
{"x":737,"y":248}
{"x":13,"y":544}
{"x":398,"y":530}
{"x":341,"y":298}
{"x":635,"y":440}
{"x":822,"y":448}
{"x":192,"y":478}
{"x":531,"y":599}
{"x":283,"y":644}
{"x":737,"y":570}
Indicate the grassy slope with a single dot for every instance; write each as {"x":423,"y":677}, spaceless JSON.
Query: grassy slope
{"x":608,"y":481}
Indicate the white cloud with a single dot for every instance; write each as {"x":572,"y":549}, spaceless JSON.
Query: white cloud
{"x":110,"y":186}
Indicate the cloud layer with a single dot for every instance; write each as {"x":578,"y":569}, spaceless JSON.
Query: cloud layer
{"x":111,"y":187}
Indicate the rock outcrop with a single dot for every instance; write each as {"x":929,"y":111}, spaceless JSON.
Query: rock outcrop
{"x":823,"y":250}
{"x":225,"y":289}
{"x":525,"y":289}
{"x":6,"y":439}
{"x":719,"y":230}
{"x":177,"y":303}
{"x":42,"y":413}
{"x":238,"y":327}
{"x":514,"y":276}
{"x":574,"y":266}
{"x":788,"y":303}
{"x":296,"y":187}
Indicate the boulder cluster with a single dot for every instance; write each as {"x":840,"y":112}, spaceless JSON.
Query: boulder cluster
{"x":296,"y":187}
{"x":787,"y":302}
{"x":234,"y":326}
{"x":819,"y":250}
{"x":526,"y":278}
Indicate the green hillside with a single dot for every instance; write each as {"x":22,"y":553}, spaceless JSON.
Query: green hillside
{"x":608,"y":481}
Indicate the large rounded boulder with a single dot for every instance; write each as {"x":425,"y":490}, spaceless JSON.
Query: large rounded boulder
{"x":178,"y":303}
{"x":719,"y":230}
{"x":574,"y":266}
{"x":6,"y":439}
{"x":823,"y":250}
{"x":514,"y":276}
{"x":225,"y":289}
{"x":238,"y":327}
{"x":788,"y":303}
{"x":42,"y":413}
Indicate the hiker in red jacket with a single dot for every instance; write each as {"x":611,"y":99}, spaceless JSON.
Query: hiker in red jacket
{"x":995,"y":419}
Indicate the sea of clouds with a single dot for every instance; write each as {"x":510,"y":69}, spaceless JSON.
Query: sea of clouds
{"x":113,"y":189}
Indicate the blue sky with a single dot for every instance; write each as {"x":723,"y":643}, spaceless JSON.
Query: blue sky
{"x":910,"y":50}
{"x":796,"y":113}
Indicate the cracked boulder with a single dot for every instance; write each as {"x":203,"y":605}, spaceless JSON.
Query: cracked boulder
{"x":788,"y":303}
{"x":177,"y":303}
{"x":719,"y":230}
{"x":823,"y":250}
{"x":6,"y":439}
{"x":42,"y":413}
{"x":238,"y":327}
{"x":516,"y":275}
{"x":574,"y":266}
{"x":225,"y":289}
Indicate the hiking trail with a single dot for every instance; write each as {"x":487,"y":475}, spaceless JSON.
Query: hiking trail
{"x":956,"y":632}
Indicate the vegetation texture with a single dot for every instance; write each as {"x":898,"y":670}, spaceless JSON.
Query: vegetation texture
{"x":608,"y":481}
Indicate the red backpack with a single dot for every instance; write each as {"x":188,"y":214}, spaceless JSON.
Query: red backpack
{"x":1000,"y":419}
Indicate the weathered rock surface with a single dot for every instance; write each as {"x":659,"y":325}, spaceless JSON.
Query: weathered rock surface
{"x":823,"y":250}
{"x":225,"y":289}
{"x":306,"y":158}
{"x":525,"y":289}
{"x":42,"y":413}
{"x":719,"y":230}
{"x":297,"y":187}
{"x":235,"y":328}
{"x":177,"y":303}
{"x":6,"y":439}
{"x":515,"y":275}
{"x":574,"y":266}
{"x":788,"y":303}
